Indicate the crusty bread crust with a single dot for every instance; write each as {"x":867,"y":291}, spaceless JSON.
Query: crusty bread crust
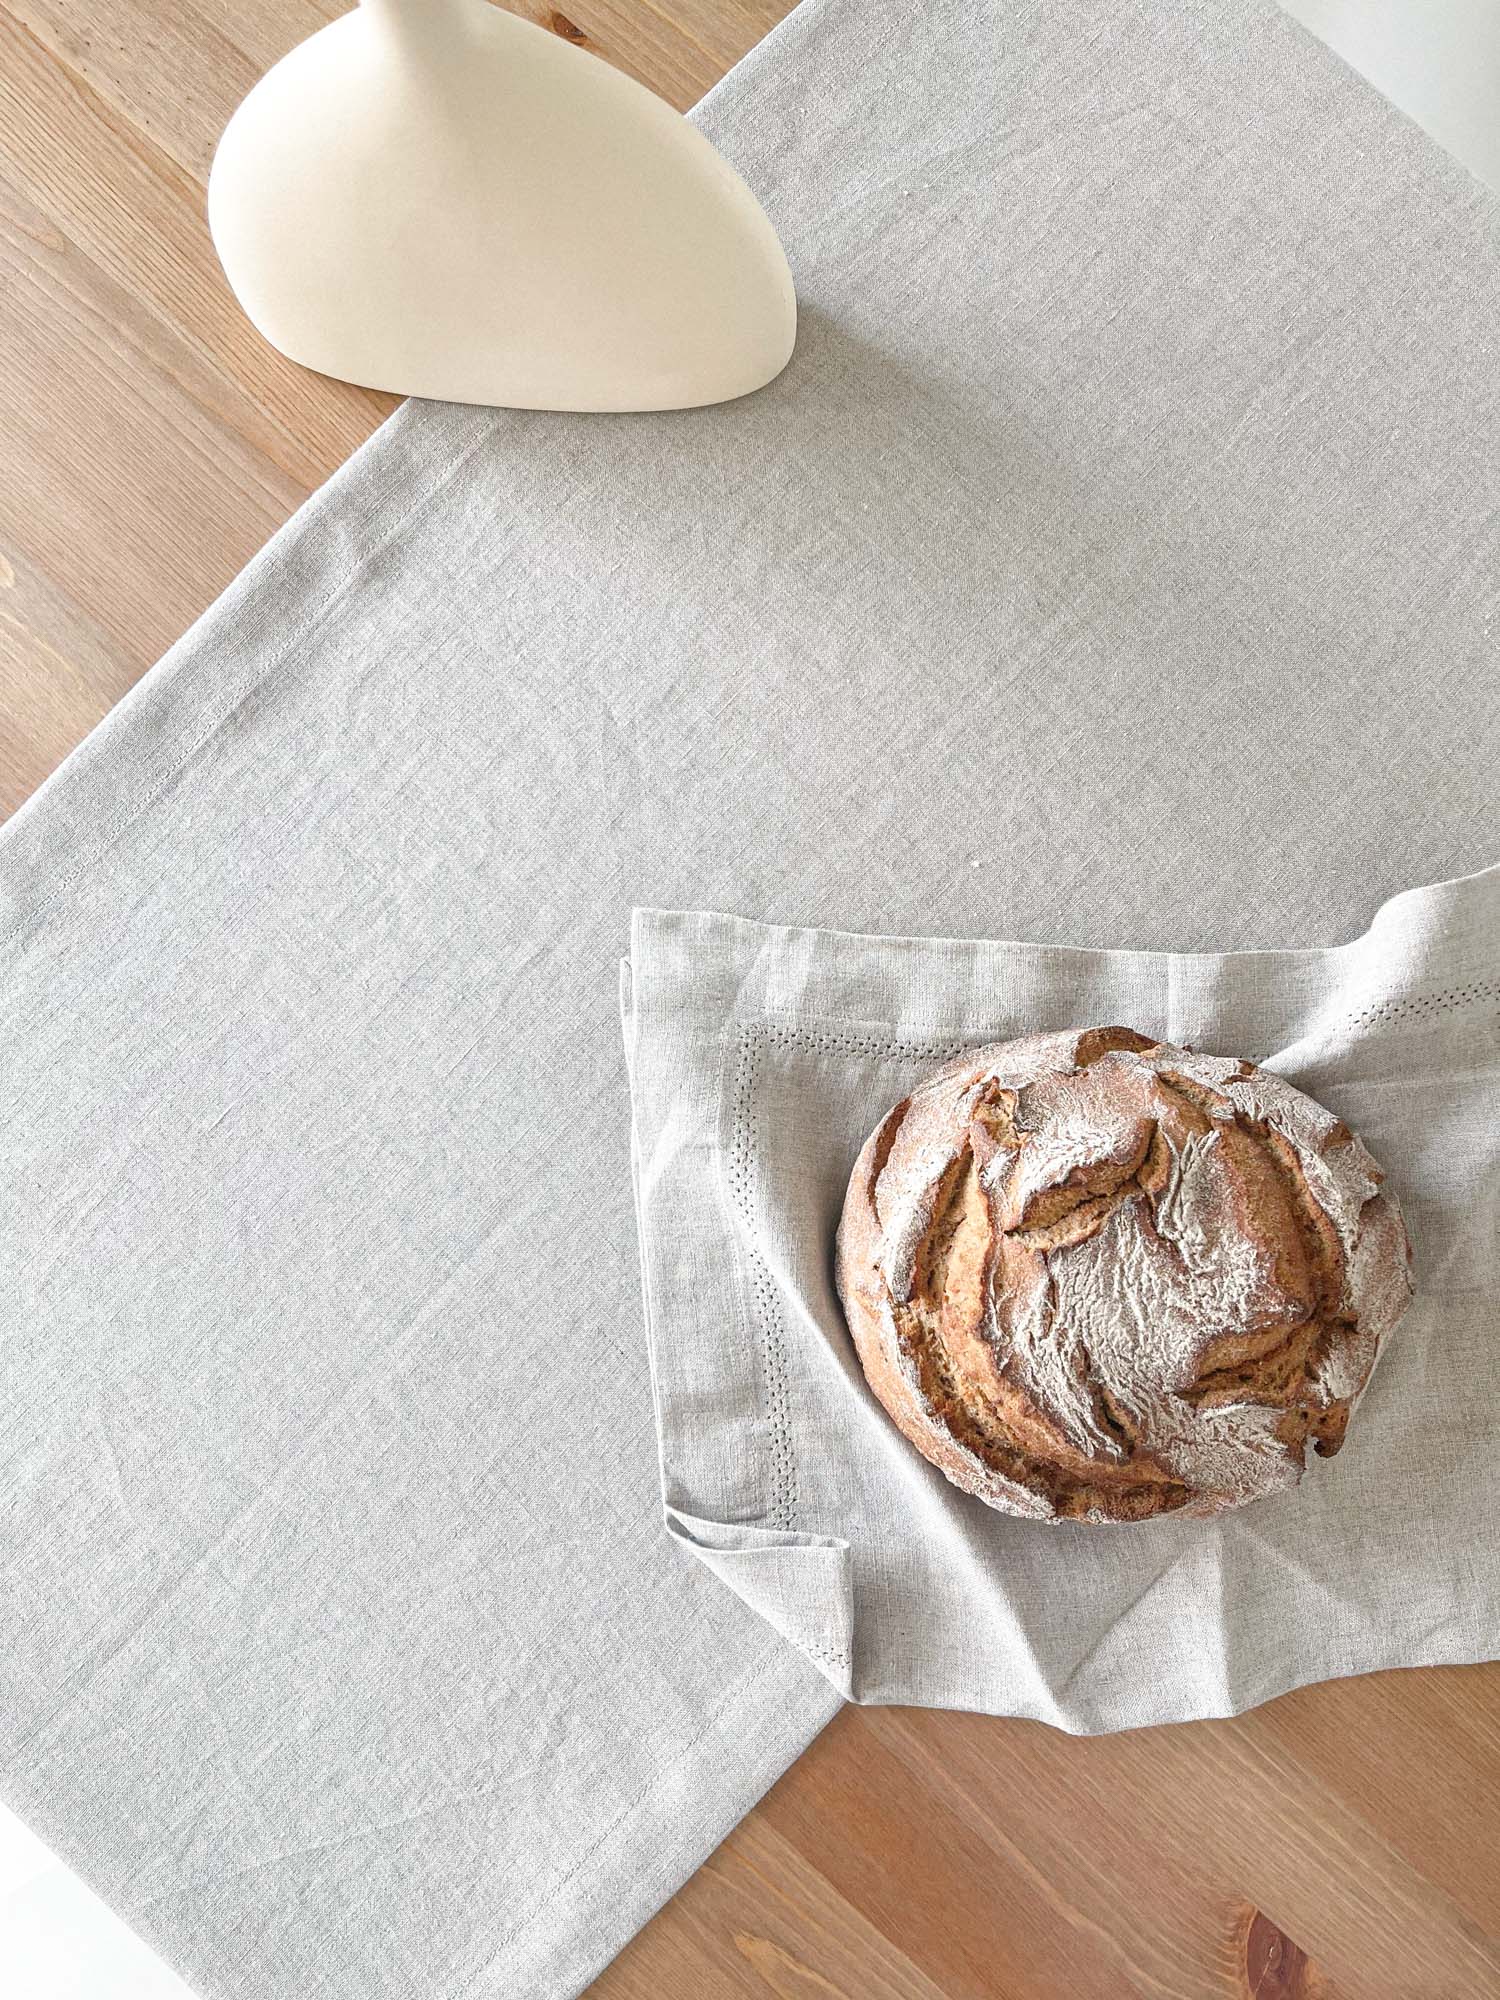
{"x":1095,"y":1277}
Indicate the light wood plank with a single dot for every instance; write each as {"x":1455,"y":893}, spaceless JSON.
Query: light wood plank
{"x":135,"y":216}
{"x":757,"y":1921}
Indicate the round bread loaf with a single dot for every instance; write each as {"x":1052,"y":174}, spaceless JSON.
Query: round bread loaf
{"x":1096,"y":1277}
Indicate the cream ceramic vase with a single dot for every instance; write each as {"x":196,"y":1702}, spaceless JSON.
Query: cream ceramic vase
{"x":436,"y":198}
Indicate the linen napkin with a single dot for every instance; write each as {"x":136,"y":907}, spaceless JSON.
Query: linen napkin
{"x":1116,"y":562}
{"x":761,"y":1058}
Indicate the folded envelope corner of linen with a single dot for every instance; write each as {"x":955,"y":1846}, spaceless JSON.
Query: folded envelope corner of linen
{"x":728,"y":1477}
{"x":761,"y":1056}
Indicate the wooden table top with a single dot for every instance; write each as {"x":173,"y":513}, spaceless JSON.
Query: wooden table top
{"x":1342,"y":1842}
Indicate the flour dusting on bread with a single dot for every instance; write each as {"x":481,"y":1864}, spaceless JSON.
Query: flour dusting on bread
{"x":1096,"y":1277}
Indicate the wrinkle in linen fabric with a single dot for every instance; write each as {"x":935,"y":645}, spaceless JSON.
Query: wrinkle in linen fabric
{"x":761,"y":1059}
{"x":1116,"y":561}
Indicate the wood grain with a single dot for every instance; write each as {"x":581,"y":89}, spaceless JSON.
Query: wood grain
{"x":1340,"y":1844}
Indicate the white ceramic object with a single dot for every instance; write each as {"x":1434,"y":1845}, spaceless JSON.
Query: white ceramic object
{"x":436,"y":198}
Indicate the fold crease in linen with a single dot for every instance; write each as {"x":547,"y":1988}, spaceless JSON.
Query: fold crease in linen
{"x":762,"y":1056}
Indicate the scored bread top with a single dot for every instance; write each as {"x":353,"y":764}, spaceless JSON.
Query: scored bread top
{"x":1097,"y":1277}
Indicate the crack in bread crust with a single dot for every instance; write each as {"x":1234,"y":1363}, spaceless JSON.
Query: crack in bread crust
{"x":1096,"y":1277}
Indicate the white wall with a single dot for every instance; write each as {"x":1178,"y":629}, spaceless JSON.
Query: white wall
{"x":1438,"y":59}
